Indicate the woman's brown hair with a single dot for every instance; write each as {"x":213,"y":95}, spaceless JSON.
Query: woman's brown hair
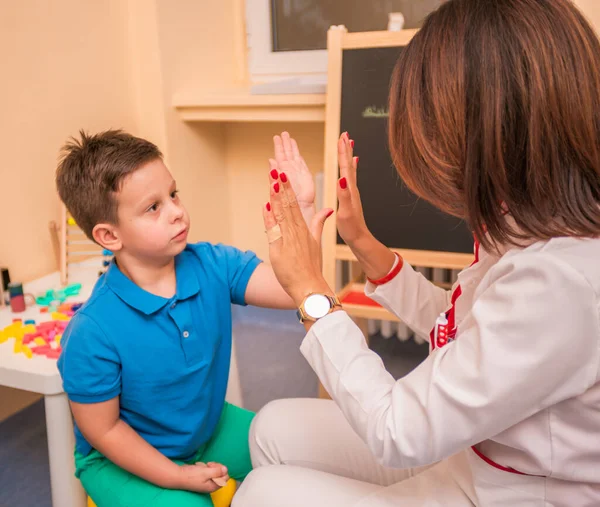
{"x":495,"y":106}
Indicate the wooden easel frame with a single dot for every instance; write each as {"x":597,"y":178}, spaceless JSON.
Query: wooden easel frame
{"x":338,"y":39}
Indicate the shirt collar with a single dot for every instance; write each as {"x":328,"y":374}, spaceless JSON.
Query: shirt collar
{"x":188,"y":284}
{"x":142,"y":300}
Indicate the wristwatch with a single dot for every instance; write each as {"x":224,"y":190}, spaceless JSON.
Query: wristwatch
{"x":316,"y":306}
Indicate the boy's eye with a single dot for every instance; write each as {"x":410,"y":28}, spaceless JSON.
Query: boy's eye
{"x":174,"y":194}
{"x":152,"y":208}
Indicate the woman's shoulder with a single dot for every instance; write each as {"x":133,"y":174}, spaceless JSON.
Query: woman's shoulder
{"x":565,"y":263}
{"x":578,"y":255}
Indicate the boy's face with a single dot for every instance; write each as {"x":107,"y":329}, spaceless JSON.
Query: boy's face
{"x":153,"y":223}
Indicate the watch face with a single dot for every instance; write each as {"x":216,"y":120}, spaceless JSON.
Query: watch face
{"x":317,"y":306}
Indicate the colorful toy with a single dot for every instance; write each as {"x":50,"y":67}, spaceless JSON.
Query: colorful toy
{"x":107,"y":256}
{"x":58,"y":296}
{"x":224,"y":496}
{"x":41,"y":339}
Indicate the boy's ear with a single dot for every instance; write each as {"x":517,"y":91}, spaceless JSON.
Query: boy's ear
{"x":107,"y":237}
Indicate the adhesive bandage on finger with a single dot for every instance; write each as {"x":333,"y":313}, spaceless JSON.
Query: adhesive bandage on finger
{"x":219,"y":481}
{"x":273,"y":234}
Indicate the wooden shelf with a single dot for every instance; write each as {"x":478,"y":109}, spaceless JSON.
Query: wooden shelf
{"x":239,"y":105}
{"x":367,"y":310}
{"x":357,"y":304}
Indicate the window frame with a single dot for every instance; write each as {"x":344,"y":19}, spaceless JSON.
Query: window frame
{"x":264,"y":64}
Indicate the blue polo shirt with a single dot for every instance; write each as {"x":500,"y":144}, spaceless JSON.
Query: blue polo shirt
{"x":167,"y":359}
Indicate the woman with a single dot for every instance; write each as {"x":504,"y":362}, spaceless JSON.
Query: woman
{"x":495,"y":118}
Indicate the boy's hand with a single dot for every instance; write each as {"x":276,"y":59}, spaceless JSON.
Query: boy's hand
{"x":202,"y":477}
{"x":219,"y":481}
{"x":289,"y":161}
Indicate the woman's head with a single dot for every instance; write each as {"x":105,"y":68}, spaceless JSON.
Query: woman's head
{"x":495,"y":105}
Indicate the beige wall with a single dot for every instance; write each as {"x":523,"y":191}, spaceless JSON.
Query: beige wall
{"x":63,"y":69}
{"x":143,"y":60}
{"x":591,"y":8}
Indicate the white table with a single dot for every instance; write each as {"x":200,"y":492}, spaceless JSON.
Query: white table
{"x":40,"y":375}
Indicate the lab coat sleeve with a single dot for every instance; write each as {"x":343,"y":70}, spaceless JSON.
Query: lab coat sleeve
{"x":412,"y":298}
{"x":529,"y":341}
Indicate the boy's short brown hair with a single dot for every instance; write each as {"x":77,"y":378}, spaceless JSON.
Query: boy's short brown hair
{"x":91,"y":170}
{"x":495,"y":106}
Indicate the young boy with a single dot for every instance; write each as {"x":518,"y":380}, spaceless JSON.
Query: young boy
{"x":145,"y":361}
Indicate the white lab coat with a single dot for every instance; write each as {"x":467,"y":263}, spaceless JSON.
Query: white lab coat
{"x":520,"y":382}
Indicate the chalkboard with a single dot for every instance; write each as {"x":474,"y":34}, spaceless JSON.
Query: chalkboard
{"x":393,"y":214}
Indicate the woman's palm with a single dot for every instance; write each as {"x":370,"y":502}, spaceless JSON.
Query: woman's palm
{"x":289,"y":161}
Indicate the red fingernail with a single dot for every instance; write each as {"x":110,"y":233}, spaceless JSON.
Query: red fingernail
{"x":268,"y":206}
{"x":274,"y":174}
{"x":329,"y":213}
{"x":343,"y":183}
{"x":276,"y":188}
{"x":356,"y":158}
{"x":352,"y":143}
{"x":283,"y":177}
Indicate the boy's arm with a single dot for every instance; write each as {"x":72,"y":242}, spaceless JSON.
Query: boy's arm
{"x":264,"y":290}
{"x":105,"y":431}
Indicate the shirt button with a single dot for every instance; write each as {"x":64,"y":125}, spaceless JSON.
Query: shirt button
{"x":186,"y":334}
{"x":173,"y":305}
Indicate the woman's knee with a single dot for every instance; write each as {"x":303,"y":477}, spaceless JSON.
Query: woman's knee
{"x":288,"y":415}
{"x":279,"y":425}
{"x":257,"y":488}
{"x":268,"y":418}
{"x":268,"y":423}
